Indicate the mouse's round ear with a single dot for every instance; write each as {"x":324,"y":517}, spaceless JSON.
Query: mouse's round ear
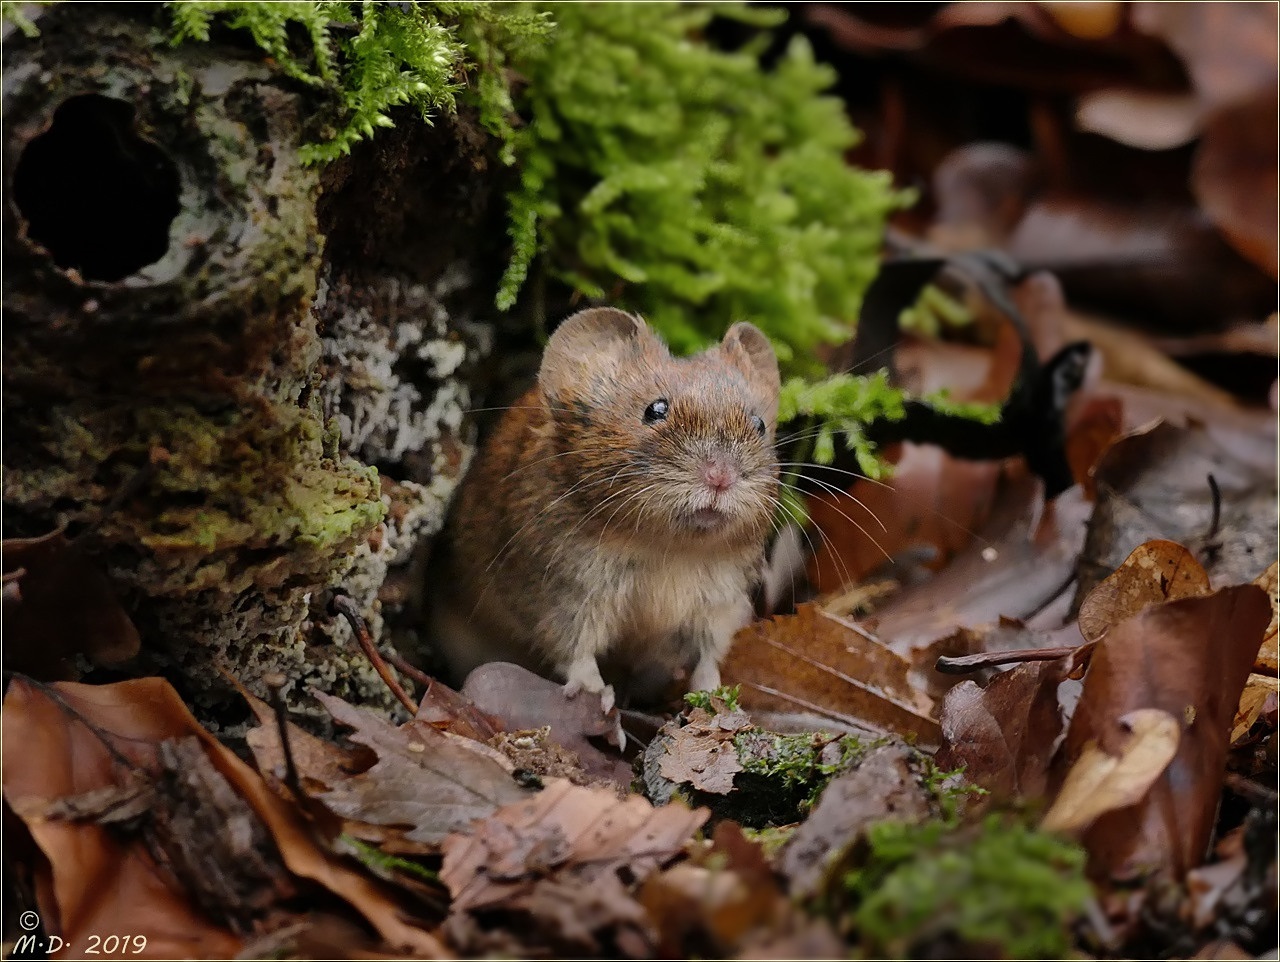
{"x":750,"y":351}
{"x":586,"y":341}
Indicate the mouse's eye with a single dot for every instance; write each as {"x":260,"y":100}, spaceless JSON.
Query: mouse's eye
{"x":657,"y":411}
{"x":757,"y":422}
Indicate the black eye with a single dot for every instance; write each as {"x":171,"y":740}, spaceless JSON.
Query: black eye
{"x":757,"y":422}
{"x":657,"y":411}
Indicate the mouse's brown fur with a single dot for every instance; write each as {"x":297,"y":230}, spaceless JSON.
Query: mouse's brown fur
{"x":586,"y":528}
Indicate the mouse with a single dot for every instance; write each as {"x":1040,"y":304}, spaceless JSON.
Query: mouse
{"x":618,"y":514}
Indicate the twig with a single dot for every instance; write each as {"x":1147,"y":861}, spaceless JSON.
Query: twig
{"x":1215,"y":493}
{"x":414,"y":672}
{"x":275,"y":685}
{"x":345,"y":605}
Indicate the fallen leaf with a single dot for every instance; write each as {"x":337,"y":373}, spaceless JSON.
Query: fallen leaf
{"x":701,"y":752}
{"x":881,"y":787}
{"x":1156,"y":572}
{"x":1100,"y":782}
{"x":59,"y":604}
{"x":138,"y":715}
{"x":820,"y":663}
{"x":320,"y":764}
{"x":1269,"y":581}
{"x":430,"y":781}
{"x":1005,"y":734}
{"x":97,"y":882}
{"x":1190,"y":659}
{"x":523,"y":700}
{"x":563,"y":829}
{"x":1253,"y":702}
{"x":1146,"y":119}
{"x":445,"y":708}
{"x":1155,"y":484}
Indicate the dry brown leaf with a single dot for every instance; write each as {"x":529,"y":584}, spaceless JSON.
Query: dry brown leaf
{"x":565,"y":828}
{"x":58,"y":604}
{"x":817,"y":662}
{"x":881,"y":787}
{"x":95,"y":882}
{"x":1268,"y":581}
{"x":1156,"y":572}
{"x":1211,"y":488}
{"x":446,"y":709}
{"x":1253,"y":702}
{"x":1189,"y":658}
{"x":523,"y":700}
{"x":320,"y":764}
{"x":702,"y":752}
{"x":140,"y":714}
{"x":431,"y":782}
{"x":1004,"y":734}
{"x":1100,"y":782}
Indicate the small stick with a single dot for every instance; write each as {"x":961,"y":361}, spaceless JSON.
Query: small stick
{"x":1215,"y":493}
{"x":964,"y":664}
{"x":414,"y":672}
{"x":275,"y":685}
{"x":344,"y":605}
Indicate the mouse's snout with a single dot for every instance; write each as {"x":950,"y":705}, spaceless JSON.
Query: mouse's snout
{"x":719,"y":473}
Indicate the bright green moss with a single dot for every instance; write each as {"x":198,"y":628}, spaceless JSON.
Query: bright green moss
{"x":999,"y":888}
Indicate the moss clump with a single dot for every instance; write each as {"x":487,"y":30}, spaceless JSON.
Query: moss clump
{"x":799,"y":765}
{"x":998,"y":888}
{"x":690,"y":183}
{"x":724,"y":698}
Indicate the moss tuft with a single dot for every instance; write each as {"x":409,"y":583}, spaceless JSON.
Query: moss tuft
{"x":998,"y":888}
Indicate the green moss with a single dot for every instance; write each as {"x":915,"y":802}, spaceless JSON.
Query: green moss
{"x":801,"y":764}
{"x":690,"y":183}
{"x":998,"y":888}
{"x":724,"y":698}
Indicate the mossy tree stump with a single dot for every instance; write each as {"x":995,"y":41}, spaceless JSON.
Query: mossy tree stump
{"x":283,"y":413}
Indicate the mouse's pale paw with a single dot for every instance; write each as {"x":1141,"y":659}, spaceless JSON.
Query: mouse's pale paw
{"x":706,"y":676}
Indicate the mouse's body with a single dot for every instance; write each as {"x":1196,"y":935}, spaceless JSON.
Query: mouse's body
{"x":618,"y":514}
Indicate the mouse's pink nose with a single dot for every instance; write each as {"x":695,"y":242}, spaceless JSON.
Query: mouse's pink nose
{"x":719,"y":475}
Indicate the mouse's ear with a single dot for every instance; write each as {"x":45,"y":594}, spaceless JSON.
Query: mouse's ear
{"x":750,"y":351}
{"x":584,"y":343}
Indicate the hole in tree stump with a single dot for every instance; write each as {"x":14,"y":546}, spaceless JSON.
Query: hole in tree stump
{"x":94,"y":193}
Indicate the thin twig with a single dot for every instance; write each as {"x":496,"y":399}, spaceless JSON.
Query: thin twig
{"x":345,"y":605}
{"x":275,"y":685}
{"x":414,"y":672}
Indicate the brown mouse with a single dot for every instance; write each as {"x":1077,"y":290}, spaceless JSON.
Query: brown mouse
{"x":621,"y":509}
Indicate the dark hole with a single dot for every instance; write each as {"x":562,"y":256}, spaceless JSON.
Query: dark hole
{"x":97,"y":196}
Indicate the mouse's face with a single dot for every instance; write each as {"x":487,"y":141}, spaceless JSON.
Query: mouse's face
{"x":665,"y":450}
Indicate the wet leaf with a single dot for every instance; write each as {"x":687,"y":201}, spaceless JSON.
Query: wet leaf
{"x":823,"y":664}
{"x":1155,"y":572}
{"x":1100,"y":782}
{"x":427,"y":780}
